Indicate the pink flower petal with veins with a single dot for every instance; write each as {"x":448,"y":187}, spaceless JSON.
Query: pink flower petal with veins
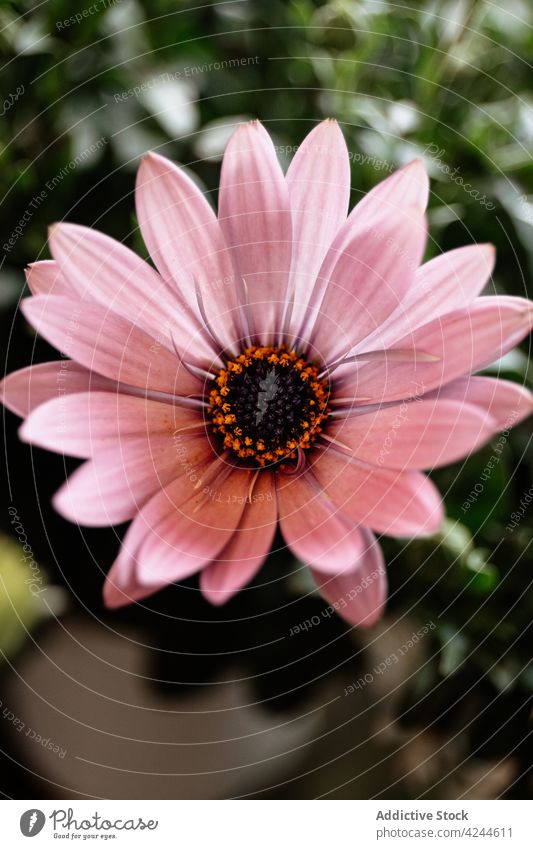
{"x":367,"y":281}
{"x":24,"y":390}
{"x":255,"y":217}
{"x":84,"y":424}
{"x":318,"y":178}
{"x":46,"y":278}
{"x":247,"y":549}
{"x":358,"y":596}
{"x":187,"y":244}
{"x":113,"y":486}
{"x":314,"y":529}
{"x":109,"y":344}
{"x":420,"y":434}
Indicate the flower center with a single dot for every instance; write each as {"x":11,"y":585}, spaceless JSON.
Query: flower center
{"x":267,"y":403}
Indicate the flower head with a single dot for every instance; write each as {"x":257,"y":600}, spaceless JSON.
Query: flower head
{"x":286,"y":363}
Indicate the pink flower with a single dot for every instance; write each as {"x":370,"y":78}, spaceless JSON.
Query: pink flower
{"x":285,"y":363}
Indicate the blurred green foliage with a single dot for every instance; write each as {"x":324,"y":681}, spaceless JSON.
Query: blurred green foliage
{"x":448,"y":81}
{"x":21,"y":608}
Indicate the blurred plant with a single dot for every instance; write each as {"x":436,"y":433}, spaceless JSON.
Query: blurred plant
{"x":21,"y":607}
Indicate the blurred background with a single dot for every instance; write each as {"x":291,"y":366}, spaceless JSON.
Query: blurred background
{"x":172,"y":698}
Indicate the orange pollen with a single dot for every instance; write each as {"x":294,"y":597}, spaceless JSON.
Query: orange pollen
{"x":267,"y":404}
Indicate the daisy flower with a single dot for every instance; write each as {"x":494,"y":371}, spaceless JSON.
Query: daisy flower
{"x":280,"y":363}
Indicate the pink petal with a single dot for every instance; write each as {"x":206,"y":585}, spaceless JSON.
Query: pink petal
{"x":406,"y":188}
{"x":459,"y":343}
{"x":122,"y":585}
{"x":105,"y":342}
{"x":420,"y":434}
{"x":247,"y":549}
{"x":367,"y":281}
{"x":185,"y":241}
{"x":82,"y":425}
{"x":318,"y":179}
{"x":45,"y":278}
{"x":359,"y":597}
{"x":114,"y":485}
{"x":181,"y":542}
{"x":449,"y":282}
{"x":404,"y":504}
{"x":121,"y":588}
{"x":121,"y":281}
{"x":506,"y":402}
{"x":254,"y":214}
{"x":24,"y":390}
{"x":179,"y":531}
{"x":312,"y":526}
